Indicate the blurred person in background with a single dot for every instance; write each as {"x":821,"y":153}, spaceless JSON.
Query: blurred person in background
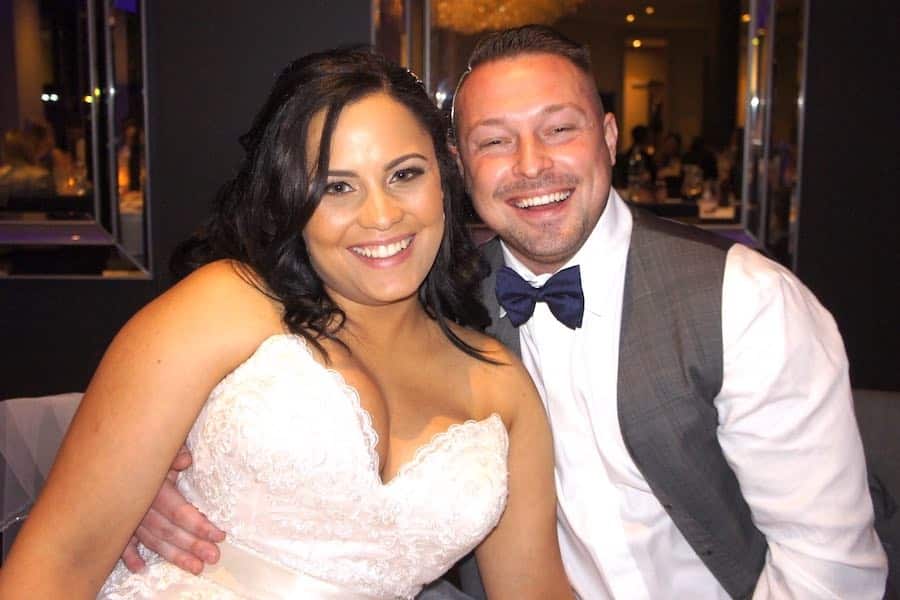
{"x":21,"y":174}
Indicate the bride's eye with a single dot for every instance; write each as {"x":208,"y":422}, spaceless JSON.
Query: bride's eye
{"x":407,"y":174}
{"x":336,"y":188}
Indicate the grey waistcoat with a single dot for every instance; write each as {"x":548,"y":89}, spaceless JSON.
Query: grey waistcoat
{"x":670,"y":370}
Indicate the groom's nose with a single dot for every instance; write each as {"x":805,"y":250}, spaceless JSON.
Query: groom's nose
{"x":532,"y":158}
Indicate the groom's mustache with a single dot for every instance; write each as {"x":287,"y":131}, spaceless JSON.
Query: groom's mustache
{"x":521,"y":186}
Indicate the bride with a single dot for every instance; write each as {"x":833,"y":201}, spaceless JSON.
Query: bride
{"x":350,"y":432}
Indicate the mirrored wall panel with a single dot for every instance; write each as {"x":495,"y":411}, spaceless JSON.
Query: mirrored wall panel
{"x":73,"y":182}
{"x":774,"y":46}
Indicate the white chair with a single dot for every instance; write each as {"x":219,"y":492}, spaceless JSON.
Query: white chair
{"x":31,"y":430}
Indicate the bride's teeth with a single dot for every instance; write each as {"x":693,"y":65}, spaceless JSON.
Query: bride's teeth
{"x":542,"y":200}
{"x":382,"y":251}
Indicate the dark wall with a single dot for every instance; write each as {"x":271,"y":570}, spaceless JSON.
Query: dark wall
{"x":720,"y":77}
{"x":9,"y":101}
{"x":848,"y":243}
{"x":210,"y":66}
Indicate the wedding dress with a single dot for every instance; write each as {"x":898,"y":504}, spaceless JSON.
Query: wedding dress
{"x":285,"y":461}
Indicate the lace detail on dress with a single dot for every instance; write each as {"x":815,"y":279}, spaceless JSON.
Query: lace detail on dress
{"x":159,"y":581}
{"x":285,"y":460}
{"x":366,"y":427}
{"x":435,"y":443}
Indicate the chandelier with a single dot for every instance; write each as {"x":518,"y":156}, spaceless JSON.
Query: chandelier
{"x":475,"y":16}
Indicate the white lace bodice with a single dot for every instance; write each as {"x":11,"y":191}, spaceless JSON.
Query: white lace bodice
{"x":285,"y":461}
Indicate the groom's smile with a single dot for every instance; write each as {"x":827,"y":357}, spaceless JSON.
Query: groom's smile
{"x":536,"y":151}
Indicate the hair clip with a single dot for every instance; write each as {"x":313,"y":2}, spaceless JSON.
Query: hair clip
{"x":416,"y":77}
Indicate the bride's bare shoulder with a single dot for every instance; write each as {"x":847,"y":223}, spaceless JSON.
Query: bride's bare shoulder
{"x":222,"y":275}
{"x":221,"y":302}
{"x":488,"y":346}
{"x":502,"y":383}
{"x":225,"y":285}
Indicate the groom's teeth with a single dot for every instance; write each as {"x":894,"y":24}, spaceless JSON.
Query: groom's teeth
{"x":384,"y":250}
{"x":543,"y":200}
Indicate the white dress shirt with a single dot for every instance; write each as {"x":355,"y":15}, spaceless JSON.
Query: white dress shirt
{"x":786,"y":427}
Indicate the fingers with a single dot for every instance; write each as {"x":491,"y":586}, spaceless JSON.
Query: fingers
{"x":177,"y":512}
{"x":131,"y":558}
{"x":178,"y":532}
{"x":169,"y":551}
{"x":175,"y":544}
{"x":181,"y":461}
{"x":187,"y":518}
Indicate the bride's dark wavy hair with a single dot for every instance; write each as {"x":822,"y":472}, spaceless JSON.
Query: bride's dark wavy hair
{"x":258,"y":216}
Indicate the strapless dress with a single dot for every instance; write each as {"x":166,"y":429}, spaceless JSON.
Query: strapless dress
{"x":285,"y":461}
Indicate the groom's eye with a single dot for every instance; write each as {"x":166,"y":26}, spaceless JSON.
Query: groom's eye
{"x":491,"y":143}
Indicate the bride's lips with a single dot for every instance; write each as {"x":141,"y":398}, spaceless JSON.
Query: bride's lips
{"x":384,"y":253}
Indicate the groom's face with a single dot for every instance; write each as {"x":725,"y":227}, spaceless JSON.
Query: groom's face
{"x":537,"y":154}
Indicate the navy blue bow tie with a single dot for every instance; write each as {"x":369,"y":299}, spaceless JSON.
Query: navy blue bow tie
{"x":562,"y":293}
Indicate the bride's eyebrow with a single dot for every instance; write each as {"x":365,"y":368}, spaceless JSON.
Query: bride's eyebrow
{"x":403,"y":158}
{"x":387,"y":167}
{"x":341,"y":174}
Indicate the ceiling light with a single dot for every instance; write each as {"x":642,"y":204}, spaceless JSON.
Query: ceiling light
{"x":476,"y":16}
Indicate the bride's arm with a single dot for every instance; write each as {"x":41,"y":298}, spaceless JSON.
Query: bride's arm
{"x":520,"y":559}
{"x":136,"y":412}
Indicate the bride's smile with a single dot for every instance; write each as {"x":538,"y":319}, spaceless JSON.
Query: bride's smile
{"x":376,"y":231}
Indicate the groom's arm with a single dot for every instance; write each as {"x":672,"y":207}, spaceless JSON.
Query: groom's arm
{"x":174,"y":528}
{"x":787,"y":428}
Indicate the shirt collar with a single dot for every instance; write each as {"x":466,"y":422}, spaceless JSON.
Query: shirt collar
{"x":601,"y":257}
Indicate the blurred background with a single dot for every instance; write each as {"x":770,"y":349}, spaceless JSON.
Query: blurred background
{"x":769,"y":121}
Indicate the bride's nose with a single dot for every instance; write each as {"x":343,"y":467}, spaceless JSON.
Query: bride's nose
{"x":380,"y":210}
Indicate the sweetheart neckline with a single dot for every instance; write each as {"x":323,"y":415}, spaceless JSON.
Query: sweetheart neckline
{"x":368,"y":429}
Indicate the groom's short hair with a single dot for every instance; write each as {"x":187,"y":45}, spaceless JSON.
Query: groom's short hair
{"x":528,"y":39}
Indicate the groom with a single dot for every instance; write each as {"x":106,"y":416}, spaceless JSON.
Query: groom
{"x":705,"y":440}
